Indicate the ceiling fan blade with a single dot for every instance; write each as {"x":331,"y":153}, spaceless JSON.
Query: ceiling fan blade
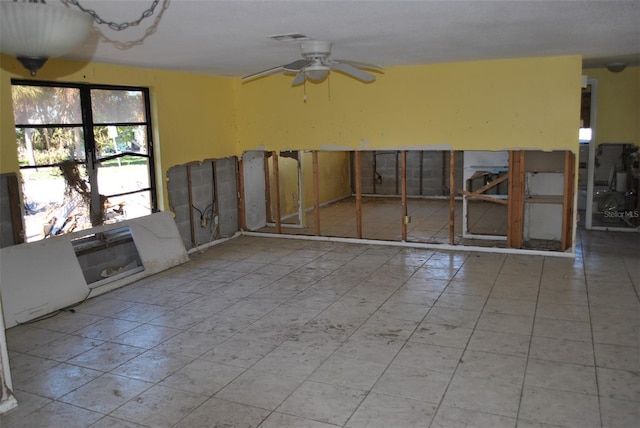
{"x":298,"y":65}
{"x":264,"y":72}
{"x":353,"y":72}
{"x":300,"y":78}
{"x":360,"y":64}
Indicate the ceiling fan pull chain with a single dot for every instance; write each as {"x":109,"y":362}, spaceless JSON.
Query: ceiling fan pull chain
{"x":114,"y":25}
{"x":304,"y":89}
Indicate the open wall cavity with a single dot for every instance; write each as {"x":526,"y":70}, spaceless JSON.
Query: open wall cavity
{"x":203,"y":198}
{"x":509,"y":199}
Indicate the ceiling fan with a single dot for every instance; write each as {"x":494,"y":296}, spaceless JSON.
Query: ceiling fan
{"x":316,"y":65}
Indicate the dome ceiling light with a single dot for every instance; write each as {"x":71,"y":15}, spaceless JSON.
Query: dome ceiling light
{"x":34,"y":31}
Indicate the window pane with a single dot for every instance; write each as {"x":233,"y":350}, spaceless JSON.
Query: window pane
{"x":41,"y":105}
{"x":125,"y":207}
{"x":125,"y":174}
{"x":49,"y":208}
{"x":117,"y":106}
{"x":111,"y":140}
{"x":43,"y":146}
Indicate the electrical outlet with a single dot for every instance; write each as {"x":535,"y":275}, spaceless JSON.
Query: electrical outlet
{"x":407,"y":219}
{"x":294,"y":196}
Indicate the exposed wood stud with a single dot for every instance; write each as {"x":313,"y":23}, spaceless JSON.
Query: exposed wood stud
{"x":276,"y":193}
{"x":316,"y":193}
{"x":567,"y":204}
{"x":452,"y":196}
{"x":403,"y":197}
{"x":358,"y":156}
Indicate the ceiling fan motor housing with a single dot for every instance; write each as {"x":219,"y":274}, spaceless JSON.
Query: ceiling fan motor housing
{"x":315,"y":49}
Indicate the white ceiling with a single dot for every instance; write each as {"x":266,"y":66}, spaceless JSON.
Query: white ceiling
{"x":229,"y":38}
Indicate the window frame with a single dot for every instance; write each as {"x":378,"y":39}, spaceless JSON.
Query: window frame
{"x":91,"y":161}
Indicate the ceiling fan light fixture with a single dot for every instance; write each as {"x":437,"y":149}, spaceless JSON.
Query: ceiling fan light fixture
{"x":316,"y":73}
{"x":35,"y":31}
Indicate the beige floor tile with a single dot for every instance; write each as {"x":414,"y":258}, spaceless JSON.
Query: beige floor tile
{"x":617,"y":357}
{"x":486,"y":365}
{"x":106,"y":393}
{"x":413,"y":383}
{"x":505,"y":323}
{"x":483,"y":395}
{"x":259,"y":389}
{"x":322,"y":402}
{"x":349,"y":373}
{"x":152,"y":366}
{"x":59,"y":380}
{"x":431,"y":357}
{"x":58,"y":414}
{"x":619,"y":413}
{"x":241,"y":353}
{"x":382,"y":411}
{"x":499,"y":343}
{"x":202,"y":377}
{"x":106,"y":357}
{"x":563,"y":408}
{"x":561,"y":376}
{"x":453,"y":417}
{"x":562,"y":350}
{"x":619,"y":384}
{"x":441,"y":335}
{"x":159,"y":407}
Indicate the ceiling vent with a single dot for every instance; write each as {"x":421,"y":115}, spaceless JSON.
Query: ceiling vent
{"x":290,"y":37}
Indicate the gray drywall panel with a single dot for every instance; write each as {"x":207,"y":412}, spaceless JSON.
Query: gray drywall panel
{"x":6,"y":227}
{"x":227,"y":198}
{"x":254,"y":189}
{"x":178,"y":189}
{"x":203,"y":200}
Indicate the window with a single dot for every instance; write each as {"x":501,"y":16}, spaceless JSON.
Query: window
{"x":85,"y":153}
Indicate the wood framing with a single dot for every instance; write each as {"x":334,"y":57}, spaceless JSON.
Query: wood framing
{"x":403,"y":196}
{"x":452,"y":195}
{"x":568,"y":198}
{"x":242,"y":218}
{"x":190,"y":194}
{"x":276,"y":193}
{"x":17,"y":225}
{"x":358,"y":162}
{"x":479,"y":193}
{"x":316,"y":193}
{"x":267,"y":187}
{"x":515,"y":206}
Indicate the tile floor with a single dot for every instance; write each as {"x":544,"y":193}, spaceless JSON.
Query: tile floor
{"x":282,"y":333}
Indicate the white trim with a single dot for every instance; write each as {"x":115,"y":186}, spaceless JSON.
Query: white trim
{"x":443,"y":247}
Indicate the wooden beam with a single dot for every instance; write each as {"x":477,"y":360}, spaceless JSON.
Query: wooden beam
{"x":403,"y":196}
{"x":316,"y":194}
{"x":267,"y":187}
{"x":482,"y":197}
{"x":515,"y":206}
{"x":190,"y":194}
{"x":492,"y":184}
{"x":567,"y":204}
{"x":358,"y":156}
{"x":452,"y":196}
{"x":242,"y":218}
{"x":276,"y":193}
{"x":17,"y":222}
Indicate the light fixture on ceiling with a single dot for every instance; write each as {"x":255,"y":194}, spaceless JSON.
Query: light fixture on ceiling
{"x":34,"y":31}
{"x":317,"y":72}
{"x":616,"y":67}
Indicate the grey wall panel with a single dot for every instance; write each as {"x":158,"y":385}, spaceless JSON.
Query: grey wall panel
{"x":227,"y":198}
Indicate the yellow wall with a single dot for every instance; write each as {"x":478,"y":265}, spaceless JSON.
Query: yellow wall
{"x":334,"y":169}
{"x":193,"y":115}
{"x":618,"y":105}
{"x":489,"y":105}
